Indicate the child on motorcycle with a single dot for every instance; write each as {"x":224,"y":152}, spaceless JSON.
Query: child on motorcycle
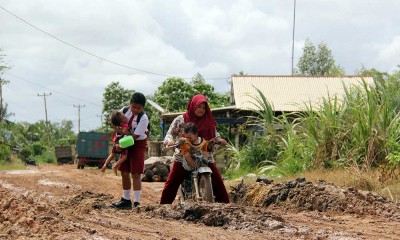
{"x":198,"y":111}
{"x":191,"y":146}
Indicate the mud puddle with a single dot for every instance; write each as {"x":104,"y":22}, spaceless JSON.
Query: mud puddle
{"x":26,"y":172}
{"x":48,"y":182}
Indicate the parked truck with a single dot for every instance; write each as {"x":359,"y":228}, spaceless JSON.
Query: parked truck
{"x":64,"y":154}
{"x":92,"y":149}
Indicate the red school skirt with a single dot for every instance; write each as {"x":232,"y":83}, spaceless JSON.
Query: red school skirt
{"x":135,"y":160}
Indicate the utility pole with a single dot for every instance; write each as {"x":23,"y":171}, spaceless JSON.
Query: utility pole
{"x":45,"y":111}
{"x":2,"y":82}
{"x":294,"y":24}
{"x":79,"y":115}
{"x":101,"y":118}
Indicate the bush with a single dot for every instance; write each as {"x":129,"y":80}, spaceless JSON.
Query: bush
{"x":260,"y":150}
{"x":47,"y":157}
{"x":25,"y":153}
{"x":37,"y":149}
{"x":5,"y":153}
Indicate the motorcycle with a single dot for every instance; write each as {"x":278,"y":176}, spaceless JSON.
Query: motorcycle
{"x":197,"y":185}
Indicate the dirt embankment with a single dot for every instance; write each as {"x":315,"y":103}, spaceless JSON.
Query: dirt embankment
{"x":59,"y":202}
{"x":300,"y":195}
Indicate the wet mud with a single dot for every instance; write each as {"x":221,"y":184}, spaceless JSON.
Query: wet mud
{"x":76,"y":204}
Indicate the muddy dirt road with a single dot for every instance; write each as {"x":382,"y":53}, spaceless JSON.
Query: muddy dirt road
{"x":62,"y":202}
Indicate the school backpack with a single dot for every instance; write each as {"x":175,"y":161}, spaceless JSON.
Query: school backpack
{"x":126,"y":108}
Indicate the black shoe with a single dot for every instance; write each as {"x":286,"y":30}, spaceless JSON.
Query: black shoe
{"x":136,"y":204}
{"x":123,"y":204}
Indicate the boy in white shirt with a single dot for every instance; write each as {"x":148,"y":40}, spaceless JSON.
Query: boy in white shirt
{"x":134,"y":166}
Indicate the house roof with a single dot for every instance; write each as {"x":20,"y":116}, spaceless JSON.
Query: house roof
{"x":289,"y":93}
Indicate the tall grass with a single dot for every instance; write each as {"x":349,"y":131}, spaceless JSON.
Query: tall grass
{"x":360,"y":132}
{"x":263,"y":138}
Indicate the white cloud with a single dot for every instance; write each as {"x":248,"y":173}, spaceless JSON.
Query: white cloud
{"x":390,"y":53}
{"x":179,"y":38}
{"x":384,"y":55}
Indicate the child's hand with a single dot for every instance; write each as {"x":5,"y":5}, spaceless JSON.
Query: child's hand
{"x":191,"y":163}
{"x":189,"y":159}
{"x":182,"y":141}
{"x":221,"y":141}
{"x":115,"y":170}
{"x":103,"y":169}
{"x":169,"y":143}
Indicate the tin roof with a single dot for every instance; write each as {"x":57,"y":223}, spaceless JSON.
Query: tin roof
{"x":289,"y":93}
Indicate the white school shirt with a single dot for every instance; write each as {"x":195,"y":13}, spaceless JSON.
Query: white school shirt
{"x":135,"y":128}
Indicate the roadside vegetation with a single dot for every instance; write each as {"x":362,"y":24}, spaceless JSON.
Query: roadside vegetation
{"x":355,"y":142}
{"x":23,"y":142}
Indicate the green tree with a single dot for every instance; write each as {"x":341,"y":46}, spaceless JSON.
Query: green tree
{"x":114,"y":97}
{"x":201,"y":87}
{"x":19,"y":134}
{"x":35,"y":131}
{"x":5,"y":114}
{"x":173,"y":94}
{"x":62,"y":133}
{"x":37,"y":149}
{"x":317,"y":61}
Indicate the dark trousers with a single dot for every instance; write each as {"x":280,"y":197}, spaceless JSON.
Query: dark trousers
{"x":178,"y":174}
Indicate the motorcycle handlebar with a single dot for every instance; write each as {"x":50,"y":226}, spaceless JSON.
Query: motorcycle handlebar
{"x":178,"y":144}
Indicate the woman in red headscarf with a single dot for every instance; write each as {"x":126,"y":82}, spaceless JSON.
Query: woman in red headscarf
{"x":200,"y":114}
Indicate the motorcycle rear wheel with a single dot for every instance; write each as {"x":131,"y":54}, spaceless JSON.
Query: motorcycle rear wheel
{"x":205,"y":188}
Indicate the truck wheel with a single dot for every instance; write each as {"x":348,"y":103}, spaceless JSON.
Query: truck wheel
{"x":205,"y":188}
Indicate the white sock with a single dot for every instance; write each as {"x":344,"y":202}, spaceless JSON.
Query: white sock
{"x":126,"y":194}
{"x":136,"y":196}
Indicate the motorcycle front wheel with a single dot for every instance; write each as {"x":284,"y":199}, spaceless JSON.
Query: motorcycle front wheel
{"x":205,"y":188}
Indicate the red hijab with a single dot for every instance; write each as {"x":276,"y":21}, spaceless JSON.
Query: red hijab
{"x":205,"y":124}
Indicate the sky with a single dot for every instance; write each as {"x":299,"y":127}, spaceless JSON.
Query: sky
{"x":74,"y":49}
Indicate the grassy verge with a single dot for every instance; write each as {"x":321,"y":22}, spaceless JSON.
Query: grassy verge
{"x":15,"y":164}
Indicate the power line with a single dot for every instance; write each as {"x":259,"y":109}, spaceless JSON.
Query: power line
{"x":80,"y":99}
{"x":94,"y":55}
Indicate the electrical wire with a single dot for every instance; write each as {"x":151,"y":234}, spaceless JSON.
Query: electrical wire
{"x":94,"y":55}
{"x":80,"y":99}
